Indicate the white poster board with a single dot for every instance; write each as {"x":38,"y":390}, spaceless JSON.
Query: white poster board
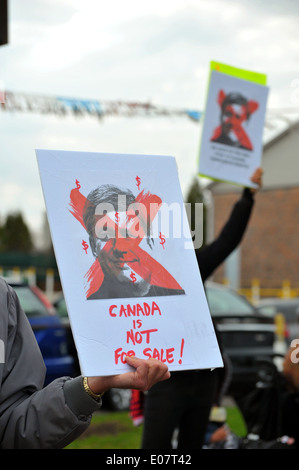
{"x":129,"y":272}
{"x":231,"y":143}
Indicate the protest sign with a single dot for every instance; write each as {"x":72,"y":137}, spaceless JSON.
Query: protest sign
{"x":126,"y":261}
{"x":231,"y":141}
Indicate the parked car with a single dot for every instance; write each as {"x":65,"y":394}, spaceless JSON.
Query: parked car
{"x":246,"y":335}
{"x":50,"y":333}
{"x":271,"y":306}
{"x":60,"y":307}
{"x":116,"y":398}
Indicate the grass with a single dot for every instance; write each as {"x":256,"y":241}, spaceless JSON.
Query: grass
{"x":107,"y":430}
{"x":115,"y":430}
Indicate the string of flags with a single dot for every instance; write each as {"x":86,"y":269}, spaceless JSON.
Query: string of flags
{"x":63,"y":106}
{"x":66,"y":106}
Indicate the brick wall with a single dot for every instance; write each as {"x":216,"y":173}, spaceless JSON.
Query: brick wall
{"x":270,"y":247}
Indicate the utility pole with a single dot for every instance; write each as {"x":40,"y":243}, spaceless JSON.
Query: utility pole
{"x":3,"y":22}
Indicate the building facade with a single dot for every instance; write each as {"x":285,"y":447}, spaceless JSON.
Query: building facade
{"x":269,"y":251}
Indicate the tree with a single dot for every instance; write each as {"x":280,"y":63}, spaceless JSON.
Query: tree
{"x":15,"y":235}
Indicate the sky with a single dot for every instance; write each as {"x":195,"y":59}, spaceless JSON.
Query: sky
{"x":135,"y":51}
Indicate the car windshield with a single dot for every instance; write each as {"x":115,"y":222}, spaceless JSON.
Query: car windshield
{"x":289,"y":310}
{"x":227,"y":302}
{"x":31,"y":305}
{"x":61,"y":308}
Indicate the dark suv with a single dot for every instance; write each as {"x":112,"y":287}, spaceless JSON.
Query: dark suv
{"x":245,"y":334}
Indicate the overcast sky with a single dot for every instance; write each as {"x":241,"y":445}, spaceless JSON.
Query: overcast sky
{"x":133,"y":50}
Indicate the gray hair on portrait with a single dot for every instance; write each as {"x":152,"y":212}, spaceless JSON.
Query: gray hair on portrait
{"x":106,"y":194}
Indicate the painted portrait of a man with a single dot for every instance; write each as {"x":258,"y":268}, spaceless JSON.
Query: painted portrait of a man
{"x":116,"y":223}
{"x":235,"y":112}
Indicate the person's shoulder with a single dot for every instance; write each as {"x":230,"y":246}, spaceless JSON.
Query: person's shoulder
{"x":7,"y":293}
{"x":6,"y":296}
{"x":4,"y":287}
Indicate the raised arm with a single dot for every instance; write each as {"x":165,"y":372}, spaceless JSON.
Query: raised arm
{"x":211,"y":256}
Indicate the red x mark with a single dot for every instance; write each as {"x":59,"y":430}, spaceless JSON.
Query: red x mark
{"x":134,"y":256}
{"x":234,"y":120}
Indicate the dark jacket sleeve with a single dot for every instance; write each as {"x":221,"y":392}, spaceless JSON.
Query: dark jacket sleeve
{"x":33,"y":417}
{"x":211,"y":256}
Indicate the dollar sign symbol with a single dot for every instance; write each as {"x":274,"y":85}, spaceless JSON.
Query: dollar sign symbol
{"x":85,"y":246}
{"x":78,"y":184}
{"x":138,"y":181}
{"x":117,"y":218}
{"x":133,"y":277}
{"x":162,"y":238}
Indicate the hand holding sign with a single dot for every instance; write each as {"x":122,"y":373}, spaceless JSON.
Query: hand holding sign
{"x":145,"y":374}
{"x":256,"y":179}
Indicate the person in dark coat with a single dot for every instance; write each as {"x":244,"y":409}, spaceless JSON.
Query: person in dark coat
{"x":185,"y":400}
